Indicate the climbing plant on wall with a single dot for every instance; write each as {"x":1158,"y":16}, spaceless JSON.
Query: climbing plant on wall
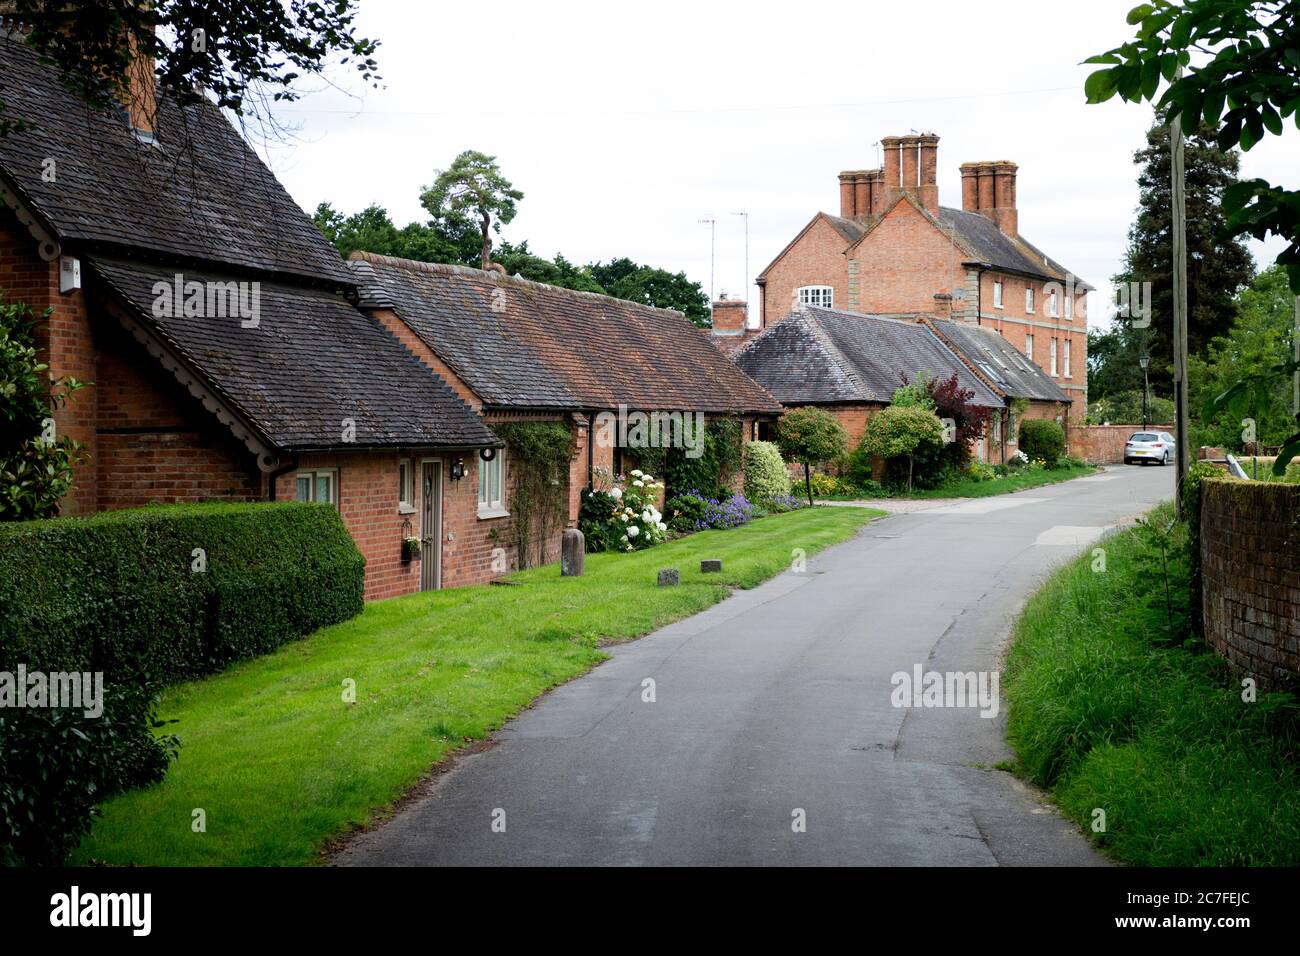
{"x":539,"y":469}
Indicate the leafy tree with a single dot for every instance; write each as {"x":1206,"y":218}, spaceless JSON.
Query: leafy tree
{"x":1250,"y":64}
{"x":903,"y":431}
{"x":810,"y":435}
{"x":518,"y":260}
{"x":371,"y":230}
{"x":36,"y":465}
{"x":915,"y":394}
{"x":625,"y":279}
{"x":1260,"y":337}
{"x":472,"y":186}
{"x":1217,"y":266}
{"x":1113,"y":353}
{"x":235,"y":53}
{"x":1125,"y":408}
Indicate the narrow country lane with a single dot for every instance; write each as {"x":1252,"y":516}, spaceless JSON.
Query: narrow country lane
{"x":777,"y":701}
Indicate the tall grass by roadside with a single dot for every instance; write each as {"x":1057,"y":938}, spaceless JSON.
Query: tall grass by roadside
{"x":1114,"y":706}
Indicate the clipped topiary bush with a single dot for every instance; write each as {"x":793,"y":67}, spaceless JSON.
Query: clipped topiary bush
{"x":766,"y":476}
{"x":172,"y":592}
{"x":1042,"y":438}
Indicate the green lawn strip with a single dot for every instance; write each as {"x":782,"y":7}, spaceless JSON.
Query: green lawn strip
{"x":1108,"y":714}
{"x":994,"y":486}
{"x":279,"y":764}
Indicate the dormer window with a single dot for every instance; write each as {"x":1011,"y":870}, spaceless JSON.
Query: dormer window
{"x":820,"y":296}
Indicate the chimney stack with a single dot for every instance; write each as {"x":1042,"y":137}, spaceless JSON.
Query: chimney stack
{"x":989,"y":188}
{"x":729,"y":316}
{"x":140,"y":95}
{"x":729,"y":324}
{"x":859,"y":193}
{"x":911,"y":166}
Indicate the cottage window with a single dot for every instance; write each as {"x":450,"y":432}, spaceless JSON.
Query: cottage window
{"x":821,"y":296}
{"x":1051,"y":304}
{"x":1029,"y":346}
{"x":1053,"y":357}
{"x":1069,"y":307}
{"x":997,"y":294}
{"x":405,"y":487}
{"x":1029,"y":301}
{"x":1067,"y":358}
{"x":320,"y":485}
{"x":491,"y":500}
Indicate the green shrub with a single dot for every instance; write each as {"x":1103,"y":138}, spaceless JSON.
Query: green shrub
{"x":902,"y":432}
{"x":810,"y":436}
{"x":1041,"y":438}
{"x":56,"y":764}
{"x":117,"y":591}
{"x":766,"y":476}
{"x":594,"y":519}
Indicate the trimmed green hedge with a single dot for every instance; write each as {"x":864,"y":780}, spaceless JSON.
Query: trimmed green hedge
{"x":117,"y":592}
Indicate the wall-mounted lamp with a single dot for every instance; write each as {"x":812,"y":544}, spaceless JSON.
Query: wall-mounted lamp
{"x":458,"y":469}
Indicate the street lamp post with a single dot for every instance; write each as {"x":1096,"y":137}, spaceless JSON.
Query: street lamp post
{"x":1144,"y":360}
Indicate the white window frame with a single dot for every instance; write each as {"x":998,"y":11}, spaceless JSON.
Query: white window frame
{"x":491,"y":501}
{"x":1029,"y":300}
{"x":405,"y":486}
{"x":311,"y":474}
{"x":1029,"y":346}
{"x":818,"y":296}
{"x":997,"y":294}
{"x":1069,"y":308}
{"x":1053,"y":353}
{"x":1066,"y":358}
{"x":1051,"y":304}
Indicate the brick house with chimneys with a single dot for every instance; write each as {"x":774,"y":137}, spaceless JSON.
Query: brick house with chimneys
{"x":894,"y":250}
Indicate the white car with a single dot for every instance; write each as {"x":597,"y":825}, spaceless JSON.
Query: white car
{"x":1143,"y":447}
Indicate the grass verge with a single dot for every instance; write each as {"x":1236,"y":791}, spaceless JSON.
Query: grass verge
{"x":280,"y":764}
{"x":1114,"y":708}
{"x":969,"y":488}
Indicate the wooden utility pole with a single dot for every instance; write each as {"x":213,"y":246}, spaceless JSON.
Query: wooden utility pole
{"x":1179,"y":200}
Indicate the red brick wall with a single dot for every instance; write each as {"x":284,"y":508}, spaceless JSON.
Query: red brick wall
{"x":154,"y":442}
{"x":65,"y":343}
{"x":902,"y":263}
{"x":1104,"y":444}
{"x":1013,"y":321}
{"x":1250,"y":560}
{"x":817,"y":258}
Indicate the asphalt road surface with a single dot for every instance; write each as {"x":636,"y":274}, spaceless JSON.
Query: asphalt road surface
{"x":772,"y":739}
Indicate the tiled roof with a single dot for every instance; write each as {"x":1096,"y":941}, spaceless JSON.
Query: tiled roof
{"x":850,"y":229}
{"x":201,"y":194}
{"x":312,"y":361}
{"x":987,"y":243}
{"x":524,"y":344}
{"x":1001,"y":361}
{"x":822,"y":356}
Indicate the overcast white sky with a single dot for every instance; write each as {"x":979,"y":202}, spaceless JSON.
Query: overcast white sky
{"x":625,"y":124}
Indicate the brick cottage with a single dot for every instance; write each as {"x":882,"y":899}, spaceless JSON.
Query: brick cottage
{"x":894,"y":250}
{"x":517,"y":350}
{"x":229,"y":359}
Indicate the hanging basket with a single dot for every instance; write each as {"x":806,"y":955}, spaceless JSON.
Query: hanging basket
{"x":410,"y":550}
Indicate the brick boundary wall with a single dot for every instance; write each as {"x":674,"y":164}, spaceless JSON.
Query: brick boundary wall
{"x":1250,"y":558}
{"x":1104,"y":444}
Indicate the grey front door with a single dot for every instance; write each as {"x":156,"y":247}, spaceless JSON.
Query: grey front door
{"x":430,"y":525}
